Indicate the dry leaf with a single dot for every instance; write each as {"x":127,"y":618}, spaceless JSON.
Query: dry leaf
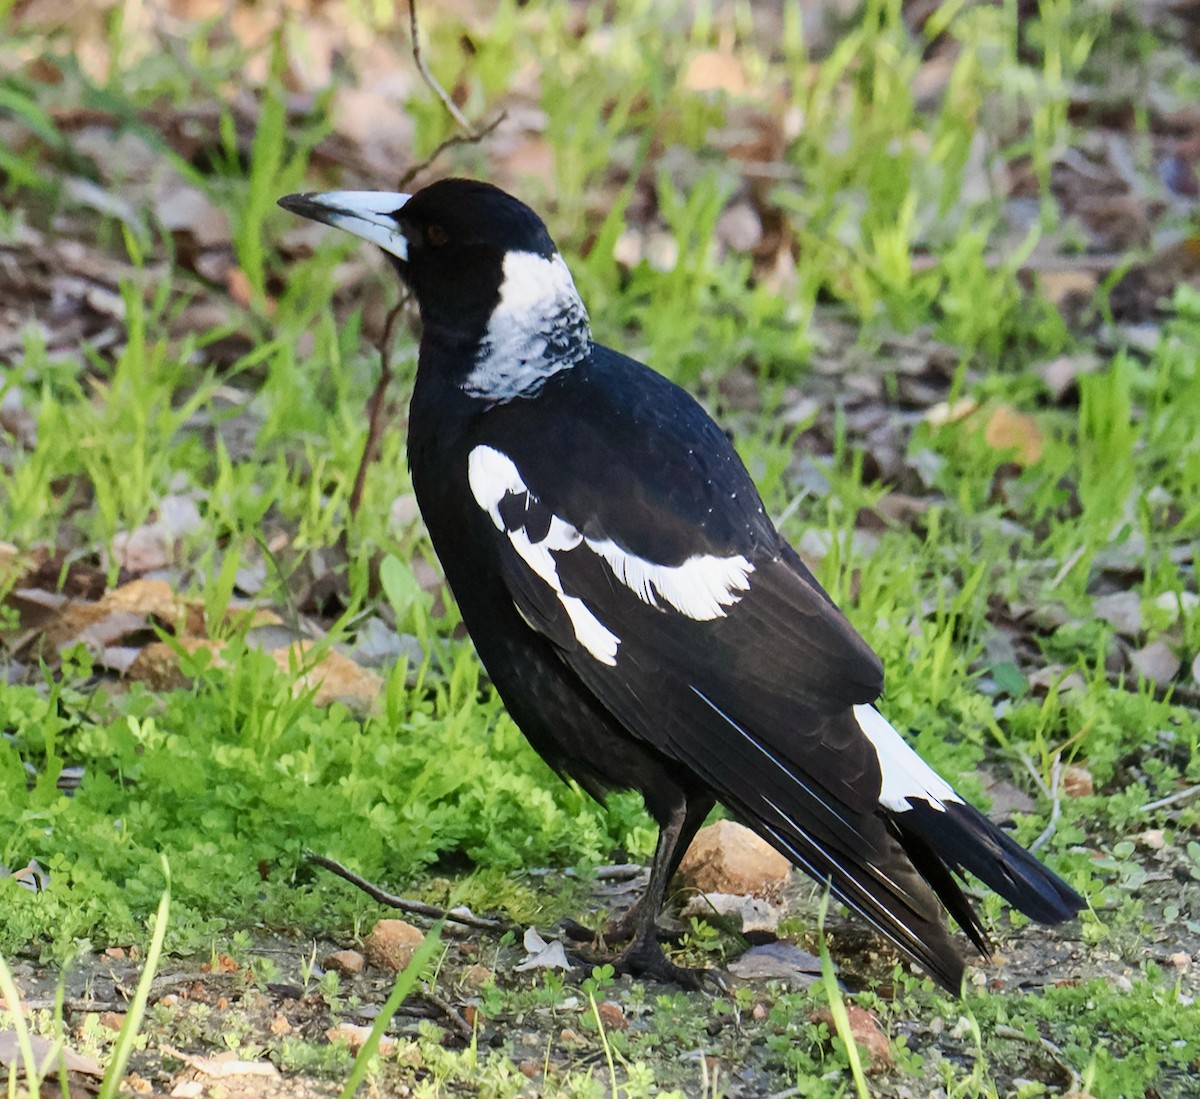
{"x":223,"y":1064}
{"x":1008,"y":429}
{"x":714,"y":71}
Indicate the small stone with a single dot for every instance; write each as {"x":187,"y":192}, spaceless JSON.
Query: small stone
{"x":530,"y":1069}
{"x":476,"y":976}
{"x":114,"y":1020}
{"x":612,"y":1016}
{"x":866,"y":1031}
{"x":348,"y":963}
{"x":1156,"y":662}
{"x":568,"y":1037}
{"x":1077,"y":782}
{"x":727,"y":857}
{"x":745,"y":912}
{"x":280,"y":1025}
{"x":392,"y":944}
{"x":1153,"y":839}
{"x":355,"y":1036}
{"x":1180,"y":960}
{"x":759,"y":1012}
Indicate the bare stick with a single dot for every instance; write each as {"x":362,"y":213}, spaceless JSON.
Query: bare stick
{"x":1173,"y":799}
{"x":375,"y":423}
{"x":1056,"y":774}
{"x":416,"y":908}
{"x":427,"y":76}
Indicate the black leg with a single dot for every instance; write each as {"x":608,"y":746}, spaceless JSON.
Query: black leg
{"x":644,"y":956}
{"x":626,"y":925}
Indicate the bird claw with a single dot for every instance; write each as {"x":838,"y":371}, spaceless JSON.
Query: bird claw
{"x":646,"y":959}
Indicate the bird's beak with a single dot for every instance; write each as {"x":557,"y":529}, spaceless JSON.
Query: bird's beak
{"x":367,"y":214}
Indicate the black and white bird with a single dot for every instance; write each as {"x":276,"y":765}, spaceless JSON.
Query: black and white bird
{"x":644,"y":622}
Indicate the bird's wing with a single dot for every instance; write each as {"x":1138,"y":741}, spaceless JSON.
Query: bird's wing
{"x":709,"y":666}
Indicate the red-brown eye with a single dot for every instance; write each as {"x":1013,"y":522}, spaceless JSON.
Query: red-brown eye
{"x":436,"y":235}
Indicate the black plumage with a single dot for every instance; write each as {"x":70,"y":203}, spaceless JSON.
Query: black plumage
{"x":642,"y":619}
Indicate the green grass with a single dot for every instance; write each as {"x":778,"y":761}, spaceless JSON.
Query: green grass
{"x":235,"y":775}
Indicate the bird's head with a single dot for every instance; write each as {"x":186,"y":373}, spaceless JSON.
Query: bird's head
{"x":479,"y":262}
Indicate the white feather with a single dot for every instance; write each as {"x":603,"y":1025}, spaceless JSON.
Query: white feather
{"x":701,"y":588}
{"x":492,"y":475}
{"x":538,"y":328}
{"x":905,"y":774}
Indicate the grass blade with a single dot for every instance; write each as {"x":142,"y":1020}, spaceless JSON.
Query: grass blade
{"x":837,"y":1007}
{"x":406,"y":979}
{"x":137,"y":1006}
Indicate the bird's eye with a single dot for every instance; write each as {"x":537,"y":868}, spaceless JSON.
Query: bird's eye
{"x":436,"y":235}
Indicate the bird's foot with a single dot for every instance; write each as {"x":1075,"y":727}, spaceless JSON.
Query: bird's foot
{"x":645,"y":958}
{"x":617,"y":930}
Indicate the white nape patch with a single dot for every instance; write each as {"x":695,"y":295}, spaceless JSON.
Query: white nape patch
{"x":492,"y":475}
{"x":905,"y":774}
{"x":701,"y":588}
{"x":538,"y":328}
{"x":368,"y":214}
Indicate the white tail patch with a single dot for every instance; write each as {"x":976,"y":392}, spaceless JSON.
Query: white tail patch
{"x":701,"y":588}
{"x":492,"y":475}
{"x":905,"y":774}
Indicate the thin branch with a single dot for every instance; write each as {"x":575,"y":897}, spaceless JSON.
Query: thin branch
{"x":1056,"y":1054}
{"x":375,"y":423}
{"x":472,"y":137}
{"x":1056,"y":775}
{"x":416,"y":908}
{"x":464,"y":1029}
{"x":1173,"y":799}
{"x":427,"y":76}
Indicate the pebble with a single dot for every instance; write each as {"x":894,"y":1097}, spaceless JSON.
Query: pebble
{"x":392,"y":944}
{"x":346,"y":962}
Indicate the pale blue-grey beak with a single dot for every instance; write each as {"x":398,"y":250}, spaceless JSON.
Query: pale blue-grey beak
{"x":367,"y":214}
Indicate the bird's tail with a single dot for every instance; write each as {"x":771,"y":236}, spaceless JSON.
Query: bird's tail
{"x":964,"y":839}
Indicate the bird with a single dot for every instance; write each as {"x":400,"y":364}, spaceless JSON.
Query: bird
{"x":640,"y":616}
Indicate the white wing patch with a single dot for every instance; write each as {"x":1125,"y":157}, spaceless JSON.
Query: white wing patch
{"x":702,"y":587}
{"x":905,"y":774}
{"x":538,"y":328}
{"x":492,"y":476}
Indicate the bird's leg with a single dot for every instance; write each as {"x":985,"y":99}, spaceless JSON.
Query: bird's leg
{"x":624,"y":926}
{"x":644,"y":956}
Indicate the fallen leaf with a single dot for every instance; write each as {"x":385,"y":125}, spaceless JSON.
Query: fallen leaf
{"x":715,"y":71}
{"x":222,"y":1064}
{"x":1007,"y":429}
{"x":45,"y":1056}
{"x":541,"y":954}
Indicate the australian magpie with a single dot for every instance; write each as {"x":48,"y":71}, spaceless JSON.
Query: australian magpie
{"x":646,"y":625}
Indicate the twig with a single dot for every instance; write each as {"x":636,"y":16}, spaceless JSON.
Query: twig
{"x":472,"y":137}
{"x":469,"y":136}
{"x":1173,"y":799}
{"x":375,"y":422}
{"x":416,"y":908}
{"x":465,"y":1031}
{"x":427,"y":76}
{"x":1056,"y":1054}
{"x":1056,"y":774}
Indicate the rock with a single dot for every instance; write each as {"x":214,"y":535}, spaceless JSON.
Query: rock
{"x":346,"y":962}
{"x":727,"y":857}
{"x":476,"y":976}
{"x":612,"y":1016}
{"x":354,"y":1035}
{"x":867,"y":1033}
{"x":777,"y":962}
{"x":392,"y":944}
{"x":1156,"y":662}
{"x":747,"y":913}
{"x":1077,"y":782}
